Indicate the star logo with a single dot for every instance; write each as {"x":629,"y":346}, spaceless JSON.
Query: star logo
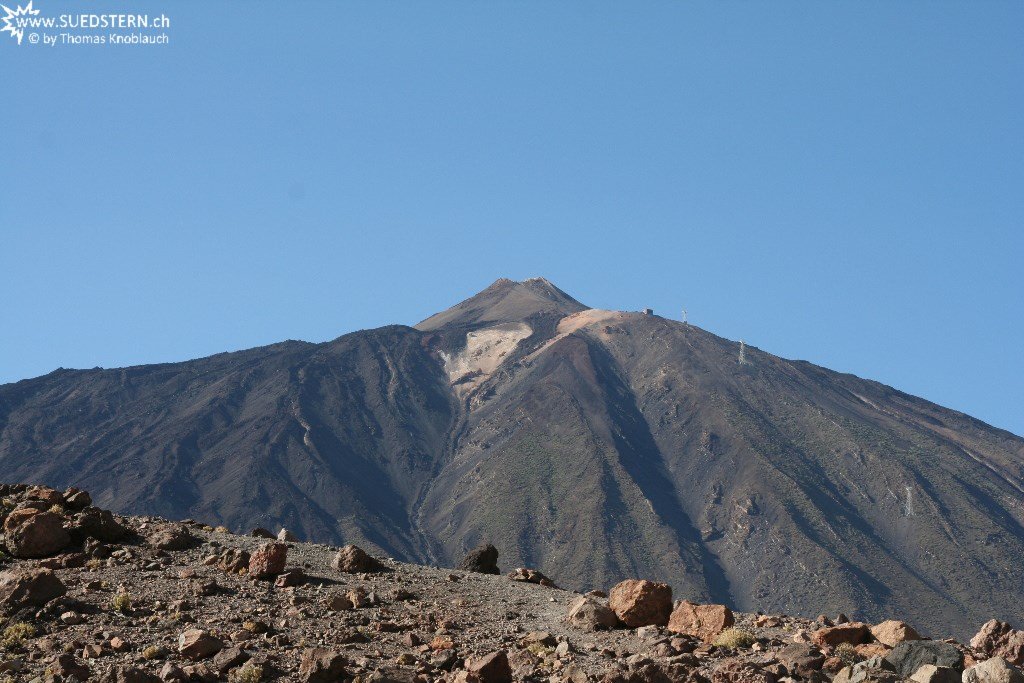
{"x":12,"y":25}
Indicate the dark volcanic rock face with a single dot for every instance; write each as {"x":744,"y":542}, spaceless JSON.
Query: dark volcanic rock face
{"x":596,"y":445}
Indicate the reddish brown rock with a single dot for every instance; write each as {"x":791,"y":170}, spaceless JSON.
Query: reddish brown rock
{"x":198,"y":644}
{"x":869,"y":650}
{"x":852,"y":633}
{"x":638,"y":602}
{"x":31,"y":533}
{"x":65,"y":667}
{"x":234,"y":560}
{"x":892,"y":632}
{"x":75,"y":499}
{"x":999,"y":639}
{"x":268,"y":560}
{"x":354,"y":560}
{"x":229,"y":658}
{"x":442,"y":643}
{"x":531,"y":576}
{"x":45,"y":494}
{"x":129,"y":674}
{"x":291,"y":578}
{"x":701,"y":621}
{"x":319,"y":665}
{"x":591,"y":614}
{"x":801,"y":659}
{"x":336,"y":602}
{"x":836,"y":666}
{"x":171,"y":672}
{"x":491,"y":668}
{"x":172,"y":537}
{"x":740,"y":671}
{"x":31,"y":588}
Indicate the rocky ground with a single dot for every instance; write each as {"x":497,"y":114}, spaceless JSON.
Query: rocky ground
{"x":87,"y":595}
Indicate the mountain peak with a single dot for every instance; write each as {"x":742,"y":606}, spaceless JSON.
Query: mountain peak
{"x":506,"y":300}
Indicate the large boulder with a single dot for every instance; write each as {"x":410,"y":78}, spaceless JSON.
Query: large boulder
{"x":638,"y":602}
{"x":701,"y":621}
{"x":591,"y":614}
{"x":354,"y":560}
{"x":853,"y":633}
{"x":268,"y":560}
{"x":35,"y":533}
{"x":997,"y":638}
{"x":909,"y":656}
{"x":30,"y":588}
{"x":994,"y":670}
{"x":483,"y":560}
{"x":892,"y":632}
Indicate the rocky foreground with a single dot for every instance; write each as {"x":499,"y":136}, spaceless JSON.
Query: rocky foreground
{"x":88,"y":595}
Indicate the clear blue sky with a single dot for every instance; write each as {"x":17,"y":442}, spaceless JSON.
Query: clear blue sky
{"x":841,"y":182}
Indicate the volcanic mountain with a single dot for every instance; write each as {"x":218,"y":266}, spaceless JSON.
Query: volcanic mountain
{"x":591,"y":444}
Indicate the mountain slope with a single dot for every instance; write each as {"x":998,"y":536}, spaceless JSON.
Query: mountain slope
{"x":591,"y":444}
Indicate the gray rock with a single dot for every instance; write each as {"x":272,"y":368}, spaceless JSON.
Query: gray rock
{"x":909,"y":656}
{"x":873,"y":670}
{"x":483,"y":560}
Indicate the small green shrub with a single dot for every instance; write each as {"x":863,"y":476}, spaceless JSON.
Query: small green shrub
{"x":122,"y":603}
{"x":247,"y":673}
{"x":847,"y":653}
{"x":734,"y":639}
{"x":16,"y":634}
